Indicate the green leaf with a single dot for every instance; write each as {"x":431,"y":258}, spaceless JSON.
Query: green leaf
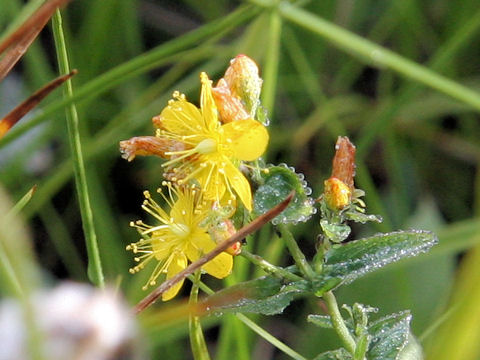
{"x":277,"y":184}
{"x":335,"y":232}
{"x":412,"y":350}
{"x":345,"y":263}
{"x":339,"y":354}
{"x":357,"y":258}
{"x":389,"y":336}
{"x":267,"y":295}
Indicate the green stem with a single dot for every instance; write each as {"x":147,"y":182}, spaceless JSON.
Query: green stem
{"x":269,"y":268}
{"x":269,"y":337}
{"x":295,"y":251}
{"x":338,"y":323}
{"x":95,"y":272}
{"x":197,"y":340}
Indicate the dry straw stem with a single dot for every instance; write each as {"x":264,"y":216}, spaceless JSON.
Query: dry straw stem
{"x":238,"y":236}
{"x":19,"y":111}
{"x":19,"y":41}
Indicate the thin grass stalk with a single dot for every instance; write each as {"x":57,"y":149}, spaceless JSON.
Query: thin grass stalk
{"x":135,"y":67}
{"x":197,"y":340}
{"x":378,"y":55}
{"x":95,"y":272}
{"x":270,"y":70}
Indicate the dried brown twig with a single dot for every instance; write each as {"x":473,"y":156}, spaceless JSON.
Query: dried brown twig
{"x":20,"y":110}
{"x":238,"y":236}
{"x":18,"y":42}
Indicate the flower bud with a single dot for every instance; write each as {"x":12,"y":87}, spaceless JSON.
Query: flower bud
{"x":344,"y":162}
{"x":222,"y":232}
{"x":337,"y":194}
{"x":237,"y":93}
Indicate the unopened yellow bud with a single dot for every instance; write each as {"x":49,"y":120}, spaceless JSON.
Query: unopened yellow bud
{"x":337,"y":194}
{"x":244,"y":81}
{"x":237,"y":93}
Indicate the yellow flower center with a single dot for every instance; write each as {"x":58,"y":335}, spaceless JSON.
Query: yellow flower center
{"x":180,"y":230}
{"x":206,"y":146}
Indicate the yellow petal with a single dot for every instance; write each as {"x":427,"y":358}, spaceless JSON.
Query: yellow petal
{"x":220,"y":266}
{"x":240,"y":184}
{"x":212,"y":182}
{"x":181,"y":118}
{"x":207,"y":104}
{"x":249,"y":138}
{"x":177,"y":264}
{"x":161,"y":248}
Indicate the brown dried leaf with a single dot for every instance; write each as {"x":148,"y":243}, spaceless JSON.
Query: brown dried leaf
{"x":18,"y":112}
{"x":19,"y":41}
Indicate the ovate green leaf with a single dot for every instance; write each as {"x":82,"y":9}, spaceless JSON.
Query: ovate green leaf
{"x":278,"y":183}
{"x":267,"y":295}
{"x":389,"y":336}
{"x":354,"y":259}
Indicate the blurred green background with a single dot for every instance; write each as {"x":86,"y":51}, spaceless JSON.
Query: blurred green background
{"x":417,"y":135}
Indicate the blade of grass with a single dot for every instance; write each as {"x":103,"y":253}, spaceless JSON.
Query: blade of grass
{"x":19,"y":41}
{"x":19,"y":270}
{"x":22,"y":109}
{"x":270,"y":69}
{"x":23,"y":13}
{"x":62,"y":241}
{"x":137,"y":66}
{"x":95,"y":272}
{"x":377,"y":55}
{"x":22,"y":202}
{"x":129,"y":119}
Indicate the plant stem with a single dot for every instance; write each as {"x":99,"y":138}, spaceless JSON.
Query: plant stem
{"x":270,"y":268}
{"x":197,"y":340}
{"x":295,"y":251}
{"x":338,"y":323}
{"x":269,"y":337}
{"x":95,"y":272}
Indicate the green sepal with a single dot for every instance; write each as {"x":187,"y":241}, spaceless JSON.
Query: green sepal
{"x":277,"y":184}
{"x":267,"y":295}
{"x":335,"y":232}
{"x":390,"y":335}
{"x":361,"y":217}
{"x":322,"y":321}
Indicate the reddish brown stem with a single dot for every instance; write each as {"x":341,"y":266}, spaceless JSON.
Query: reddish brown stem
{"x":19,"y":41}
{"x":238,"y":236}
{"x":18,"y":112}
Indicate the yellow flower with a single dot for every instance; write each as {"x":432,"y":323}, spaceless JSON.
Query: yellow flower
{"x":180,"y":236}
{"x":213,"y":151}
{"x":337,"y":194}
